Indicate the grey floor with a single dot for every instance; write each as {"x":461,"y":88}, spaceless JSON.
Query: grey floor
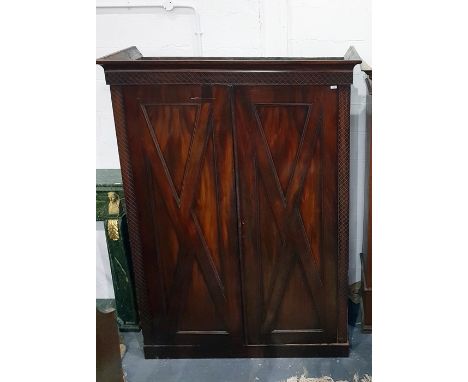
{"x":138,"y":369}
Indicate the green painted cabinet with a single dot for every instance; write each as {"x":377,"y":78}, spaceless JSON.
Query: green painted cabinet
{"x":110,"y":208}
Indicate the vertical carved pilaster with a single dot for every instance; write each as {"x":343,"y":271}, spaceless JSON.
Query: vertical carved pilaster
{"x":343,"y":209}
{"x":131,"y":206}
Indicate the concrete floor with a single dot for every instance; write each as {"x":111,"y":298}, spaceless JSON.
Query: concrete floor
{"x":138,"y":369}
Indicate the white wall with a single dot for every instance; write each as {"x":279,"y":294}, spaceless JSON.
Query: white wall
{"x":104,"y":287}
{"x":356,"y":176}
{"x":239,"y":28}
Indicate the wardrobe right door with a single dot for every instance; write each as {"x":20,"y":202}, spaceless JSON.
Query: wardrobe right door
{"x":285,"y":140}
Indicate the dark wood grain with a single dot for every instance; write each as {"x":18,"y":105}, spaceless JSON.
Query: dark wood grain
{"x":228,"y":77}
{"x":288,"y":135}
{"x":132,"y":59}
{"x":108,"y":362}
{"x":121,"y":129}
{"x":182,"y":144}
{"x":343,"y":209}
{"x":238,"y":201}
{"x":248,"y":351}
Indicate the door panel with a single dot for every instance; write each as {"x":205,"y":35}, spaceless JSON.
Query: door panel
{"x":182,"y":156}
{"x":285,"y":139}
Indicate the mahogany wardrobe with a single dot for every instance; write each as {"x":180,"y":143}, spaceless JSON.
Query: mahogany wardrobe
{"x":236,"y":180}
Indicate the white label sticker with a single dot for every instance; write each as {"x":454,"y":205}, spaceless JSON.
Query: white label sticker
{"x":333,"y":87}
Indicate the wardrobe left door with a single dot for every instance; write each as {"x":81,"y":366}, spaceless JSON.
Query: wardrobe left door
{"x":181,"y":152}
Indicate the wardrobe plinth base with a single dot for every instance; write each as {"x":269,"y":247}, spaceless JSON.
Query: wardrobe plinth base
{"x":248,"y":351}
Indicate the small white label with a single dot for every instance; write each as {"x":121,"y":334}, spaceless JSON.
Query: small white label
{"x":333,"y":87}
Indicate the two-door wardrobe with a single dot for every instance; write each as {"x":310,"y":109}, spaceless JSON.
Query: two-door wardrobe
{"x":236,"y":180}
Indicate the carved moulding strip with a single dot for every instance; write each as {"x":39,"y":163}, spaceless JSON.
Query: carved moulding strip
{"x":343,"y":212}
{"x":132,"y":216}
{"x":148,"y":77}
